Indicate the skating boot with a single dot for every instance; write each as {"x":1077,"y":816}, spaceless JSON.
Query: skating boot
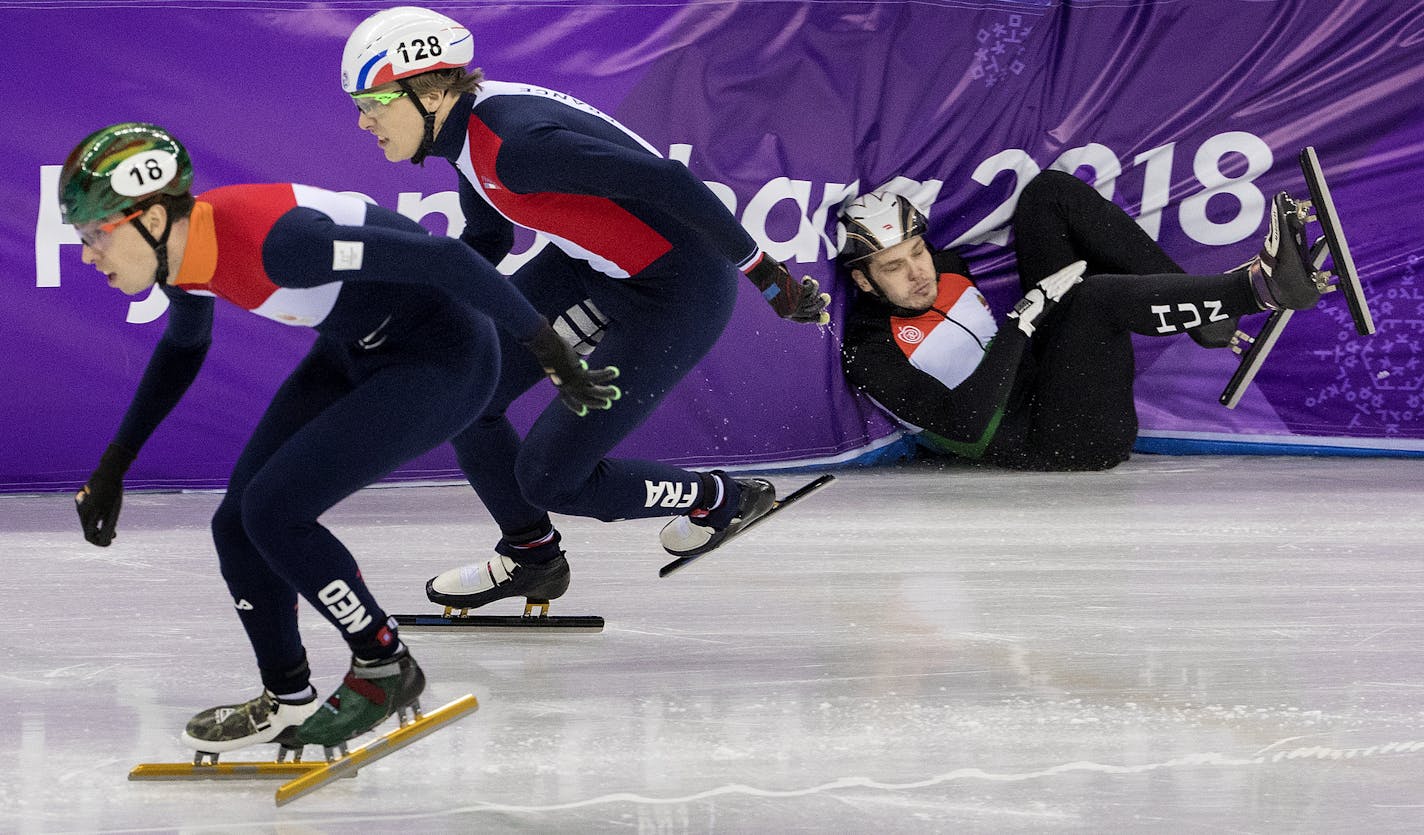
{"x":503,"y":575}
{"x":259,"y":720}
{"x":371,"y":691}
{"x":1282,"y":275}
{"x":702,"y":530}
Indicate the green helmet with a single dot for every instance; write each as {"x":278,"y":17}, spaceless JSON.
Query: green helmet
{"x":120,"y":166}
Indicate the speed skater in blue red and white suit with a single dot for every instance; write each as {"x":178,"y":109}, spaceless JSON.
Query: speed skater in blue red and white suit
{"x":641,"y":272}
{"x":406,"y":355}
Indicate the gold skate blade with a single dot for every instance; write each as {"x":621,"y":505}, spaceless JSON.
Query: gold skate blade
{"x":378,"y":748}
{"x":223,"y":771}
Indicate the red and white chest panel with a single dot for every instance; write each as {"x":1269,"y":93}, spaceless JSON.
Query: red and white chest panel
{"x":594,"y":229}
{"x":240,"y":220}
{"x":948,"y":340}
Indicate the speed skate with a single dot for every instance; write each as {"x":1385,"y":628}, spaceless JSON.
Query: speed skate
{"x":306,"y":777}
{"x":780,"y":504}
{"x":1330,"y":247}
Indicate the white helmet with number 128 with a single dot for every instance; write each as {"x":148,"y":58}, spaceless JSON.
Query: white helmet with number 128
{"x":401,"y":42}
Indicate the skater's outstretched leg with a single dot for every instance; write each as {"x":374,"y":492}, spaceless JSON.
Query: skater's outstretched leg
{"x":1061,"y":219}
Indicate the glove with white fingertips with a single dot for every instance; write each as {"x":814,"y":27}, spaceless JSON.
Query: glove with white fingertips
{"x":1035,"y":305}
{"x":800,"y":301}
{"x":99,"y":500}
{"x":580,"y":388}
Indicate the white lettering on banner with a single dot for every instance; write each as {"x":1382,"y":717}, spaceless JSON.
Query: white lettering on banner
{"x":814,"y":216}
{"x":799,"y":247}
{"x":995,"y":227}
{"x":1100,"y":158}
{"x":149,"y":308}
{"x":445,"y":203}
{"x":831,"y":199}
{"x":50,"y":229}
{"x":1251,"y":203}
{"x":417,"y":207}
{"x":343,"y":605}
{"x":1157,"y":179}
{"x":810,"y":232}
{"x":1156,"y":187}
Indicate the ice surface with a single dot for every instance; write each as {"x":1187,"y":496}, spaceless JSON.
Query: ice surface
{"x":1211,"y":644}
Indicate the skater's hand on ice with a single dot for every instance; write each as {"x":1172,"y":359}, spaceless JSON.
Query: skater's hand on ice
{"x":580,"y":388}
{"x":1036,"y":303}
{"x":99,"y":500}
{"x":800,"y":301}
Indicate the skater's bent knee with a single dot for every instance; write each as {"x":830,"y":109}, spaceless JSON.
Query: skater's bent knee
{"x":1047,"y":186}
{"x":551,"y":480}
{"x":544,"y":490}
{"x":271,"y":516}
{"x":227,"y":519}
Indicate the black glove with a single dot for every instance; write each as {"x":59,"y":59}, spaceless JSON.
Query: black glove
{"x":800,"y":301}
{"x":579,"y":388}
{"x":99,"y":500}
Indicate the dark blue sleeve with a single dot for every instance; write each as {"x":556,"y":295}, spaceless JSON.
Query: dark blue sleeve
{"x":556,"y":159}
{"x":486,"y":231}
{"x":171,"y":369}
{"x":299,"y":252}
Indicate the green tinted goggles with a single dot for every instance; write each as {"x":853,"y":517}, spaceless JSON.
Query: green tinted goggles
{"x":366,"y":102}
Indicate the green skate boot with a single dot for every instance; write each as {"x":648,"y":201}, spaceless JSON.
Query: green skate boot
{"x":372,"y":691}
